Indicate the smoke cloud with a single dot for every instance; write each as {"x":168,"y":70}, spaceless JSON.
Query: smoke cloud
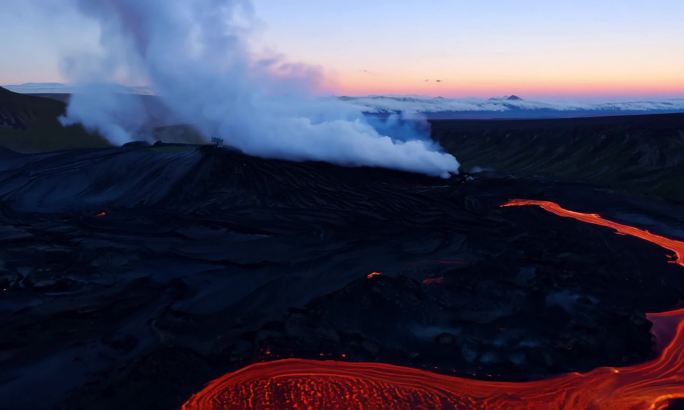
{"x":199,"y":59}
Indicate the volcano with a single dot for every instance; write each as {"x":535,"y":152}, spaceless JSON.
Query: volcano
{"x":140,"y":276}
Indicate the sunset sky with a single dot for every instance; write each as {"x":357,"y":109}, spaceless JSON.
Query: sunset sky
{"x":553,"y":49}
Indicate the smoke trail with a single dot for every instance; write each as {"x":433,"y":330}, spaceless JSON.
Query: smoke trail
{"x":196,"y":56}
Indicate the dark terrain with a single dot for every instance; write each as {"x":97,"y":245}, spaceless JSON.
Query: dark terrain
{"x":29,"y":124}
{"x":130,"y":277}
{"x":642,"y":154}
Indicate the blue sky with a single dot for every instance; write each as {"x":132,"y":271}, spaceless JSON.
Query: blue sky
{"x":531,"y":47}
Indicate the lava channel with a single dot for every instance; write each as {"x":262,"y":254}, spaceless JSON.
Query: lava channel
{"x":671,"y":244}
{"x":313,"y":384}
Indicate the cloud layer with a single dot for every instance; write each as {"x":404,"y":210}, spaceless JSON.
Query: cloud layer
{"x":506,"y":105}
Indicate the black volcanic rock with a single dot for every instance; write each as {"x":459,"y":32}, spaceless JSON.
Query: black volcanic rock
{"x":153,"y":269}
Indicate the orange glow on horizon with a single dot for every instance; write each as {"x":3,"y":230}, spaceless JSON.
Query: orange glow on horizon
{"x":446,"y":89}
{"x":484,"y":85}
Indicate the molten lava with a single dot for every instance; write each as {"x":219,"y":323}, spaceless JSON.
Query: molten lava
{"x":675,"y":246}
{"x":373,"y":275}
{"x":312,"y":384}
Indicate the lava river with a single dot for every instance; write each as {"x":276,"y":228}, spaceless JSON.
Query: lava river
{"x":677,"y":247}
{"x":313,"y":384}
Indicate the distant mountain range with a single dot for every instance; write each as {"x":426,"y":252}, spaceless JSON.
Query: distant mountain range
{"x":506,"y":107}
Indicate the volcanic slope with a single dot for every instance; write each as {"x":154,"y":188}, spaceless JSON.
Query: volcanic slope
{"x":133,"y":272}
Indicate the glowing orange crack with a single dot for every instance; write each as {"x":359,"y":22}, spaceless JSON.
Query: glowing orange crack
{"x":373,"y":275}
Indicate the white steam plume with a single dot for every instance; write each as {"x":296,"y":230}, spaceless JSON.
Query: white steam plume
{"x":196,"y":56}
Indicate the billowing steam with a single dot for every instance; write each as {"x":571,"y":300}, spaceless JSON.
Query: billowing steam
{"x":197,"y":57}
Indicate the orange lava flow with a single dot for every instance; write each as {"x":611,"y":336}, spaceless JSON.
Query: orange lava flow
{"x":675,"y":246}
{"x":313,"y":384}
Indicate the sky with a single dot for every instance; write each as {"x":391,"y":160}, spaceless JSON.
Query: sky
{"x":453,"y":48}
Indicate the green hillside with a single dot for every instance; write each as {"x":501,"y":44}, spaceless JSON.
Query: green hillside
{"x":29,"y":124}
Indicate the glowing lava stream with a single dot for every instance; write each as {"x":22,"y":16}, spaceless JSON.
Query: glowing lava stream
{"x":313,"y":384}
{"x":675,"y":246}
